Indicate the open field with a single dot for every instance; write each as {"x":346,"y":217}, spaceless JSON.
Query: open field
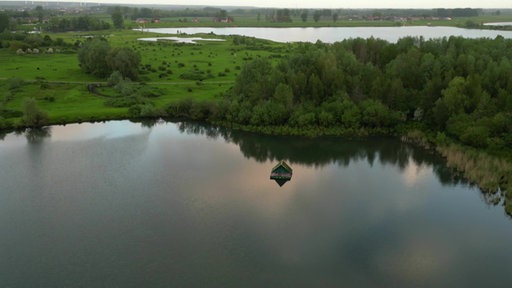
{"x":60,"y":86}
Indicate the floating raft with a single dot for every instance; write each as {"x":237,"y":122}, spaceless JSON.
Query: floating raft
{"x":281,"y":173}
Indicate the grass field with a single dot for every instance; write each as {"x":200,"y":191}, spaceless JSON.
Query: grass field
{"x":60,"y":86}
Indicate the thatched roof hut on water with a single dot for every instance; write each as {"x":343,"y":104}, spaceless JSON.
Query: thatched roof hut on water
{"x":281,"y":173}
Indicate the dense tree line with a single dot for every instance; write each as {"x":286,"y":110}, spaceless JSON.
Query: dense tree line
{"x":4,"y":21}
{"x":458,"y":87}
{"x":457,"y":12}
{"x":15,"y":41}
{"x":80,"y":23}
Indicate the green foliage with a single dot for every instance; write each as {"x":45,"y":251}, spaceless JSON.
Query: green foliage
{"x":15,"y":83}
{"x":195,"y":74}
{"x":146,"y":110}
{"x":124,"y":60}
{"x":126,"y":101}
{"x":476,"y":136}
{"x":8,"y":113}
{"x":375,"y":114}
{"x":115,"y":78}
{"x":79,"y":23}
{"x":304,"y":15}
{"x":32,"y":115}
{"x":376,"y":85}
{"x":125,"y":87}
{"x":96,"y":57}
{"x":317,"y":15}
{"x":117,"y":18}
{"x":93,"y":57}
{"x":254,"y":81}
{"x":282,"y":15}
{"x":4,"y":21}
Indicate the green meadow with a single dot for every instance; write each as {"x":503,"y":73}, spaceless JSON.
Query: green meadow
{"x":172,"y":71}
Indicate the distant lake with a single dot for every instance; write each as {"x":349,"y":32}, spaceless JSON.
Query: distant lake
{"x":333,"y":34}
{"x":188,"y":40}
{"x":160,"y":204}
{"x":499,"y":24}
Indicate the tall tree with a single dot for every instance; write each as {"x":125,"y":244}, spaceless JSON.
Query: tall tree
{"x":4,"y":21}
{"x":40,"y":13}
{"x":32,"y":115}
{"x":317,"y":15}
{"x":117,"y":18}
{"x":304,"y":15}
{"x":335,"y":17}
{"x":92,"y":57}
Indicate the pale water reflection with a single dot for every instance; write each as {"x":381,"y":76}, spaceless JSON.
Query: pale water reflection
{"x":187,"y":40}
{"x":334,"y":34}
{"x":187,"y":205}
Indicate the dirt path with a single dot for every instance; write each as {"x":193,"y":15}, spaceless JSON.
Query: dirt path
{"x":103,"y":83}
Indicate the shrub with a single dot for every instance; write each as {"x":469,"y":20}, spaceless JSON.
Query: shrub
{"x":15,"y":83}
{"x":9,"y":95}
{"x":32,"y":115}
{"x":475,"y":136}
{"x":195,"y":75}
{"x":148,"y":110}
{"x":180,"y":108}
{"x":115,"y":78}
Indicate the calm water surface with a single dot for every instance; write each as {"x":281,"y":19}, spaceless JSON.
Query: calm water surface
{"x":121,"y":204}
{"x":333,"y":34}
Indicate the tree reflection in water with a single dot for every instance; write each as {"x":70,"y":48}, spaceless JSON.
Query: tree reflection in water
{"x":321,"y":151}
{"x":37,"y":135}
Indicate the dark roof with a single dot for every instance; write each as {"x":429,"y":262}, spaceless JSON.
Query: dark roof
{"x":284,"y":165}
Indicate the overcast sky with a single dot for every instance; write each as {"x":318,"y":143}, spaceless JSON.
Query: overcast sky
{"x":325,"y":3}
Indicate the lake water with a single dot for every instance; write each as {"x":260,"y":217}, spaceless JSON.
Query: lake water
{"x":121,"y":204}
{"x":498,"y":24}
{"x":333,"y":34}
{"x":187,"y":40}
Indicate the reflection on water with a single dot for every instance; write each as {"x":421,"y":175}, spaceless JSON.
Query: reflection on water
{"x":123,"y":204}
{"x":318,"y":152}
{"x":37,"y":135}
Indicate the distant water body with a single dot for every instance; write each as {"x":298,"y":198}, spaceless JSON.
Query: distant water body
{"x":334,"y":34}
{"x":498,"y":24}
{"x":156,"y":204}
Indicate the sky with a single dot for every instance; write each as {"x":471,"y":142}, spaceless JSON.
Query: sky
{"x":322,"y":3}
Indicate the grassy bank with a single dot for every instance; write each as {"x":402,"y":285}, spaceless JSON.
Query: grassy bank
{"x":170,"y":71}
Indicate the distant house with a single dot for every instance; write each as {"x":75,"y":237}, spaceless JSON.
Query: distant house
{"x":142,"y":21}
{"x":228,"y":19}
{"x":146,"y":21}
